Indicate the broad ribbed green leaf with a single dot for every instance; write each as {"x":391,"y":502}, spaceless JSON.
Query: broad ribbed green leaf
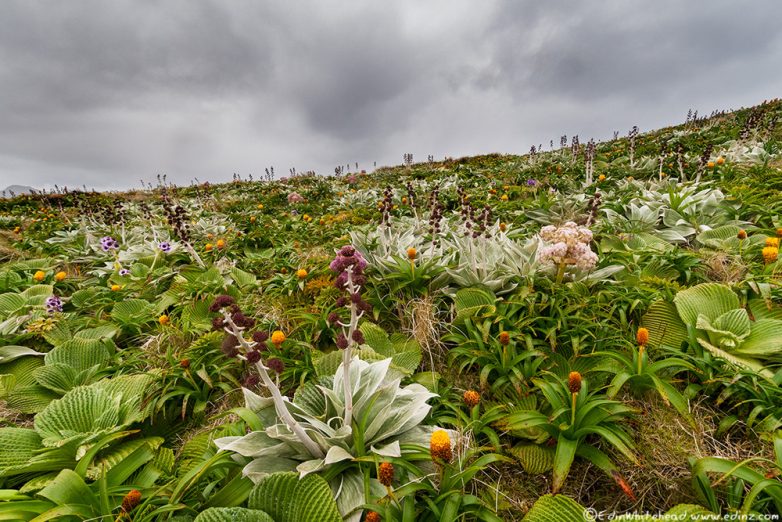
{"x":30,"y":399}
{"x":665,"y":327}
{"x":473,"y":301}
{"x":18,"y":446}
{"x":534,"y":459}
{"x":709,"y":299}
{"x":557,"y":508}
{"x":82,"y":411}
{"x":764,"y":340}
{"x":233,"y":514}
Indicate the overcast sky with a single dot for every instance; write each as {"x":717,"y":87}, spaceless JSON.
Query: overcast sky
{"x":107,"y":92}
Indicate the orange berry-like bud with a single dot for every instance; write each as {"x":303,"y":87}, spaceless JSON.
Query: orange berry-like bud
{"x":742,"y":234}
{"x":209,"y":247}
{"x":221,"y":243}
{"x":60,"y":276}
{"x":131,"y":500}
{"x":372,"y":516}
{"x":164,"y":319}
{"x":772,"y":242}
{"x":471,"y":398}
{"x":642,"y":336}
{"x":115,"y":288}
{"x":301,"y":273}
{"x":504,"y":338}
{"x":39,"y":276}
{"x":720,"y":161}
{"x":278,"y":337}
{"x":411,"y":253}
{"x":440,"y":446}
{"x":574,"y":382}
{"x":385,"y":474}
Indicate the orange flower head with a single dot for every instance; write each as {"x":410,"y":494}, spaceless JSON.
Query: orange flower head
{"x":471,"y":398}
{"x":385,"y":474}
{"x":17,"y":230}
{"x":60,"y":276}
{"x":301,"y":273}
{"x":372,"y":516}
{"x":164,"y":320}
{"x":742,"y":234}
{"x":720,"y":161}
{"x":253,"y":219}
{"x":779,"y":232}
{"x":504,"y":338}
{"x":772,"y":242}
{"x":710,"y":164}
{"x":184,"y":364}
{"x":411,"y":253}
{"x":503,"y":227}
{"x":221,"y":243}
{"x":278,"y":337}
{"x":504,"y":197}
{"x":39,"y":276}
{"x":209,"y":247}
{"x":131,"y":500}
{"x":642,"y":336}
{"x":601,"y":177}
{"x":404,"y":201}
{"x":115,"y":288}
{"x":770,"y":254}
{"x":440,"y":446}
{"x":260,"y":206}
{"x":574,"y":382}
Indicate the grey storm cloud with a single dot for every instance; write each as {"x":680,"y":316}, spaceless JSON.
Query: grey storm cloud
{"x":106,"y":93}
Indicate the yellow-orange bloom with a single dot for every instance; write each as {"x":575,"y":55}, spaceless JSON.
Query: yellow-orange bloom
{"x":301,"y":273}
{"x":440,"y":446}
{"x":742,"y":234}
{"x":772,"y":242}
{"x":115,"y":288}
{"x":372,"y":516}
{"x":60,"y":276}
{"x":710,"y":164}
{"x":503,"y":227}
{"x":39,"y":276}
{"x":260,"y":206}
{"x":411,"y":253}
{"x":574,"y":382}
{"x":252,"y":219}
{"x":642,"y":336}
{"x":385,"y":474}
{"x":471,"y":398}
{"x":601,"y":177}
{"x":209,"y":247}
{"x":221,"y":243}
{"x":131,"y":500}
{"x":504,"y":338}
{"x":17,"y":230}
{"x":770,"y":254}
{"x":779,"y":232}
{"x":163,"y":319}
{"x":504,"y":197}
{"x":720,"y":161}
{"x":278,"y":337}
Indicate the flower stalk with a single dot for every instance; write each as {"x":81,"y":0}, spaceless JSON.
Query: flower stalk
{"x":279,"y":402}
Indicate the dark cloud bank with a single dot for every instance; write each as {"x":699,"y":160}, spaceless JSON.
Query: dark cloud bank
{"x":105,"y":93}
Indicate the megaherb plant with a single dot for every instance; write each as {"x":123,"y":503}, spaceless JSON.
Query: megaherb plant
{"x":573,"y":414}
{"x":711,"y":315}
{"x":339,"y":425}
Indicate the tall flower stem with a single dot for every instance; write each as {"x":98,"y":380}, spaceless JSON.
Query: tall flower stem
{"x":347,"y":354}
{"x":279,"y":402}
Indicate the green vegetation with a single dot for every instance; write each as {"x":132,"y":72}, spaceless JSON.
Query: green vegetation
{"x":592,"y":329}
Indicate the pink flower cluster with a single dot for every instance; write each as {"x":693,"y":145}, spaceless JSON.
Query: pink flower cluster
{"x":568,"y":244}
{"x":295,"y":197}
